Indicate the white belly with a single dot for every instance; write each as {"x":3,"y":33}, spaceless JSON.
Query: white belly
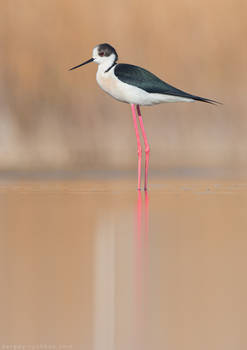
{"x":131,"y":94}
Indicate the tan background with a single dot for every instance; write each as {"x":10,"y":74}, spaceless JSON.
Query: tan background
{"x":52,"y":118}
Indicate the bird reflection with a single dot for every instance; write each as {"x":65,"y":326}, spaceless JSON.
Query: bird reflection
{"x":121,"y":260}
{"x":141,"y":265}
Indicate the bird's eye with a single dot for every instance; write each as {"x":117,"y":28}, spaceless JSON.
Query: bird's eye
{"x":101,"y":54}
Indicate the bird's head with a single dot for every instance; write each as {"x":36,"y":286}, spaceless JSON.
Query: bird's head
{"x":102,"y":54}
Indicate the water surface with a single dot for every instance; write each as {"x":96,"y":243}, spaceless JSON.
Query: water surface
{"x":97,"y":265}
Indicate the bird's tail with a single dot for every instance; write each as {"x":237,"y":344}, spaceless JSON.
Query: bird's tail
{"x":207,"y":100}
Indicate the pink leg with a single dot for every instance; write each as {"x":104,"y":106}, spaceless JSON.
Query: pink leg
{"x":147,"y":148}
{"x":139,"y":148}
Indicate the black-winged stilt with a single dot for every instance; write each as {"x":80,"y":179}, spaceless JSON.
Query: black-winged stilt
{"x":138,"y":87}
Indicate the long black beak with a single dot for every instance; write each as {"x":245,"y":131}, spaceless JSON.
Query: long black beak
{"x":82,"y":64}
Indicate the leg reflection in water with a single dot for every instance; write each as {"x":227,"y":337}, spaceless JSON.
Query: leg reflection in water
{"x":121,"y":272}
{"x":141,"y":267}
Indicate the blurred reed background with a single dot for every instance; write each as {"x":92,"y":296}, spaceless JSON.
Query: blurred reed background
{"x":54,"y":119}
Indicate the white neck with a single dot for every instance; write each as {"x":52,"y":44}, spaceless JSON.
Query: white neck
{"x":106,"y":64}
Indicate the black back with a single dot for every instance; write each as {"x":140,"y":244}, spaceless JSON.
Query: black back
{"x":145,"y":80}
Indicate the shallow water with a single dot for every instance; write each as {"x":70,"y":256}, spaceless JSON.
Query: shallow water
{"x":97,"y":265}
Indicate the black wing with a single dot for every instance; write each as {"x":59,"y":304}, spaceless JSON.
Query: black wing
{"x":143,"y":79}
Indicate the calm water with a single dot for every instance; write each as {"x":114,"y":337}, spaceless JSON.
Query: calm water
{"x":95,"y":265}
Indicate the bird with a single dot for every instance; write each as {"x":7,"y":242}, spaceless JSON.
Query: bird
{"x":138,"y":87}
